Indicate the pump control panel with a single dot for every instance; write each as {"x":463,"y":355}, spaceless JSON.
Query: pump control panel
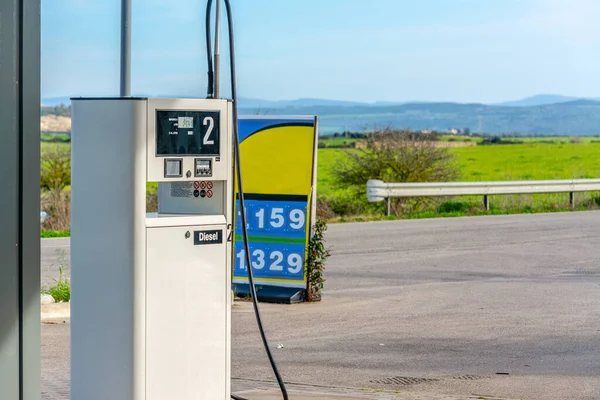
{"x":186,"y":142}
{"x":187,"y":133}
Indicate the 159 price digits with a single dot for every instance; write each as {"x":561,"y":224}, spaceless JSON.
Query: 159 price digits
{"x":275,"y":218}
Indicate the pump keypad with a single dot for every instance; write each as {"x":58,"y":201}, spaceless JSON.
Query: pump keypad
{"x":203,"y":167}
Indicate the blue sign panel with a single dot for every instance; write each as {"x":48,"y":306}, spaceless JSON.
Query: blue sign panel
{"x":277,"y":233}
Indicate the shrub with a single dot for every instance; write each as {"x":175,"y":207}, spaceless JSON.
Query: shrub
{"x":152,"y":200}
{"x":345,"y":204}
{"x":316,"y":259}
{"x":395,"y":156}
{"x":61,"y":110}
{"x":576,"y":140}
{"x":499,"y":140}
{"x":55,"y":171}
{"x":57,"y":204}
{"x":453,"y":207}
{"x":324,"y":208}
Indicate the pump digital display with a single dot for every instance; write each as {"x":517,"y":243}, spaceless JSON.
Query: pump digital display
{"x":192,"y":133}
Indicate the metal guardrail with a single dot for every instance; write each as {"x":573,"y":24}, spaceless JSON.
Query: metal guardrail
{"x":380,"y":191}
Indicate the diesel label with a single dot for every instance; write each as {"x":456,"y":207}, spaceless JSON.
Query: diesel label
{"x":208,"y":237}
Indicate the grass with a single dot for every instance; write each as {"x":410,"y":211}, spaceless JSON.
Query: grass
{"x":327,"y":160}
{"x":473,"y":210}
{"x":460,"y":138}
{"x":487,"y":163}
{"x":54,"y":234}
{"x":61,"y":291}
{"x":45,"y":146}
{"x":59,"y":137}
{"x":536,"y":161}
{"x":529,"y":162}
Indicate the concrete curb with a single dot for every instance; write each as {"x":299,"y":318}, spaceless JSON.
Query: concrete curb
{"x":62,"y":311}
{"x":55,"y":312}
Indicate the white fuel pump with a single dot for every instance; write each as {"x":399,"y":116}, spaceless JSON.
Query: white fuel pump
{"x":151,"y":311}
{"x":150,"y":317}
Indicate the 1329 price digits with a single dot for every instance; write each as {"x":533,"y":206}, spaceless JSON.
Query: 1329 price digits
{"x":275,"y":261}
{"x":271,"y":260}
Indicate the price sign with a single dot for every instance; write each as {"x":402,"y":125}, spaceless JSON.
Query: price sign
{"x":278,"y":167}
{"x":277,"y":232}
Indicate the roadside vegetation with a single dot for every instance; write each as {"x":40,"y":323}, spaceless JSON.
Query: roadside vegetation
{"x":60,"y":290}
{"x":344,"y":167}
{"x":390,"y":156}
{"x":498,"y":159}
{"x":55,"y":182}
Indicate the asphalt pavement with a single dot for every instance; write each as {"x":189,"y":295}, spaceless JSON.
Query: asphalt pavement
{"x":54,"y":257}
{"x":485,"y":307}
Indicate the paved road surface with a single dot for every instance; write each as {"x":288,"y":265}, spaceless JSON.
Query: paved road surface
{"x":498,"y":307}
{"x":55,"y":253}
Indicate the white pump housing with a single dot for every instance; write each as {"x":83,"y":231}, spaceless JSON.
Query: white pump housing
{"x":150,"y":315}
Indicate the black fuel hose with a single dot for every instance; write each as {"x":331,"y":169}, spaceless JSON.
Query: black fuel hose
{"x":210,"y":93}
{"x":240,"y":185}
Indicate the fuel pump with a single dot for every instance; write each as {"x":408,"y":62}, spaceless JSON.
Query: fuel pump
{"x":151,"y":310}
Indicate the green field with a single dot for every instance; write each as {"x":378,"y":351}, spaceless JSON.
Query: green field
{"x":489,"y":163}
{"x":498,"y":163}
{"x":530,"y":161}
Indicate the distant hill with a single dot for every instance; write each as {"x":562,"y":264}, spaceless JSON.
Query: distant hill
{"x":56,"y":101}
{"x":579,"y":117}
{"x":563,"y":116}
{"x":539,"y":100}
{"x":250,"y":102}
{"x":258,"y":103}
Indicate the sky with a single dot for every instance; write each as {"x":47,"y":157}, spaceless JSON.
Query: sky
{"x":387,"y":50}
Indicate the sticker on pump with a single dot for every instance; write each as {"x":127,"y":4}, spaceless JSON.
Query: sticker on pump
{"x":182,"y":189}
{"x":196,"y":185}
{"x":209,"y":193}
{"x":202,"y":185}
{"x":209,"y":184}
{"x":208,"y":237}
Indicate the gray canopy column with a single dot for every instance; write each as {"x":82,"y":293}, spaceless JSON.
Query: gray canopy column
{"x":19,"y":199}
